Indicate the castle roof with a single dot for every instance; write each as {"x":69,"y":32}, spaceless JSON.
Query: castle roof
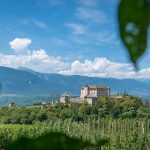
{"x":96,"y":87}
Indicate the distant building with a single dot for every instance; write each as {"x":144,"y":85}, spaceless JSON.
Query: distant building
{"x":44,"y":105}
{"x":52,"y":102}
{"x":12,"y":105}
{"x":94,"y":90}
{"x":64,"y":98}
{"x":92,"y":99}
{"x":89,"y":93}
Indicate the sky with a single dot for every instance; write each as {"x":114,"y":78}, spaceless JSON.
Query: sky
{"x":70,"y":37}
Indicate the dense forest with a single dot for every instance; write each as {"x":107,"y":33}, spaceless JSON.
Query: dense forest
{"x":125,"y":122}
{"x":105,"y":107}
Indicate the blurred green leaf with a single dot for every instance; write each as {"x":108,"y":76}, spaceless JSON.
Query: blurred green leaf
{"x":134,"y":19}
{"x":53,"y":141}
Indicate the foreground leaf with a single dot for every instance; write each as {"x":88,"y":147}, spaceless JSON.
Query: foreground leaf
{"x":53,"y":141}
{"x":134,"y":19}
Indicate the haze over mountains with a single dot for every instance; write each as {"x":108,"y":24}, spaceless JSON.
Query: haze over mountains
{"x":25,"y":81}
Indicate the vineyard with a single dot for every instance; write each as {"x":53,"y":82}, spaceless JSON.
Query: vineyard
{"x":122,"y":134}
{"x":123,"y":124}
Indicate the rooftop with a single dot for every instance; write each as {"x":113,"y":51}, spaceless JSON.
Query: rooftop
{"x":96,"y":87}
{"x":64,"y":95}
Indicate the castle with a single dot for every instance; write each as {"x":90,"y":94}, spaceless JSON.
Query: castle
{"x":94,"y":90}
{"x":89,"y":93}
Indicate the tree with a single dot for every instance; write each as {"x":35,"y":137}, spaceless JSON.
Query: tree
{"x":84,"y":109}
{"x":104,"y":106}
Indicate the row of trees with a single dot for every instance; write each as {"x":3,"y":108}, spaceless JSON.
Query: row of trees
{"x":127,"y":107}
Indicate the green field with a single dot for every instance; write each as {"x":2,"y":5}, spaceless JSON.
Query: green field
{"x":126,"y":134}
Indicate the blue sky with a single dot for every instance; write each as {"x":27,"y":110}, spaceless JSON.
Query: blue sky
{"x":64,"y":36}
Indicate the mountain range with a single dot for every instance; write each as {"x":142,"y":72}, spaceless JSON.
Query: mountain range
{"x":26,"y":81}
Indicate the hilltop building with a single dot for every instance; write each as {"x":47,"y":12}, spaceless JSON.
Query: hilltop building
{"x":64,"y":98}
{"x":12,"y":105}
{"x":89,"y":93}
{"x":44,"y":105}
{"x":92,"y":99}
{"x":94,"y":90}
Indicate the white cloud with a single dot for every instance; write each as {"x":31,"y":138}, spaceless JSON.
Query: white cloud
{"x":39,"y":24}
{"x":20,"y":45}
{"x":85,"y":36}
{"x":144,"y":73}
{"x":106,"y":37}
{"x":58,"y":41}
{"x":37,"y":60}
{"x":89,"y":14}
{"x":77,"y":28}
{"x":36,"y":23}
{"x":101,"y":67}
{"x":40,"y":61}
